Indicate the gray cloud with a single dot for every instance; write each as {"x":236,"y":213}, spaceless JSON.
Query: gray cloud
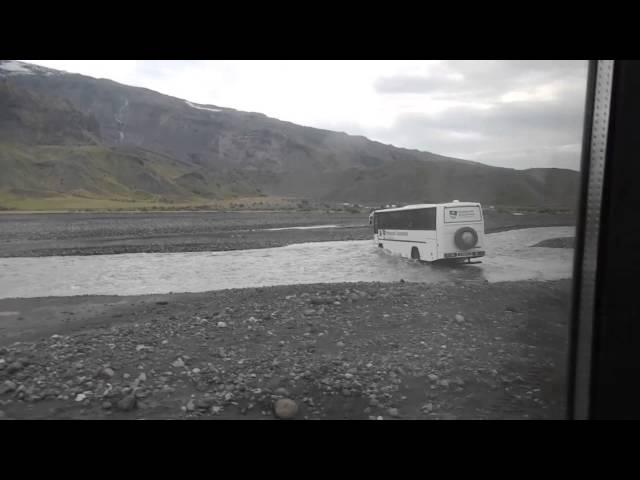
{"x":163,"y":69}
{"x":413,"y":84}
{"x":484,"y":80}
{"x":517,"y":135}
{"x":562,"y":156}
{"x":544,"y":128}
{"x":557,"y":118}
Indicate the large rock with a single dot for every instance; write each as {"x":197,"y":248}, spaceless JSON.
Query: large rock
{"x":285,"y":408}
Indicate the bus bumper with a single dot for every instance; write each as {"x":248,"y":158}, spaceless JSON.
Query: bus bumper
{"x":476,"y":254}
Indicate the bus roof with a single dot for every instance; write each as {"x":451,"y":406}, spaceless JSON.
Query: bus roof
{"x":430,"y":205}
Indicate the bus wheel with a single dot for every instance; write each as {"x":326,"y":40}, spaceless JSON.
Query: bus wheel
{"x":415,"y":254}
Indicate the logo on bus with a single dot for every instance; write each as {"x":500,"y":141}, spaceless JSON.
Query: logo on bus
{"x":453,"y":213}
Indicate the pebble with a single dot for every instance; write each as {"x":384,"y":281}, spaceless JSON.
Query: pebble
{"x":15,"y":367}
{"x":393,"y":412}
{"x":7,"y":386}
{"x":459,"y":318}
{"x":107,"y":373}
{"x":282,"y":391}
{"x":128,"y":403}
{"x":433,"y":377}
{"x":222,"y":324}
{"x":141,"y":378}
{"x":179,"y":363}
{"x":285,"y":408}
{"x":340,"y":344}
{"x":203,"y":403}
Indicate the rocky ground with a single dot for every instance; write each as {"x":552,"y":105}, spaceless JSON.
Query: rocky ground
{"x":35,"y":235}
{"x":469,"y":350}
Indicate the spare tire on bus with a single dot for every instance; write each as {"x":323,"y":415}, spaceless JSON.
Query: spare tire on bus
{"x":466,"y":238}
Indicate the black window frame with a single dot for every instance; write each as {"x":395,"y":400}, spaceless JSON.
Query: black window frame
{"x":604,"y":356}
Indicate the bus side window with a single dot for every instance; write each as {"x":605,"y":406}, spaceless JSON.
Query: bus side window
{"x":394,"y":221}
{"x":427,"y":219}
{"x":411,"y":223}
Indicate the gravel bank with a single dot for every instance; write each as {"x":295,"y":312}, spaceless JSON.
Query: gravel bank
{"x":36,"y":235}
{"x":340,"y":351}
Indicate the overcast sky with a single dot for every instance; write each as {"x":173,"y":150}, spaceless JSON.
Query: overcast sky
{"x":514,"y":113}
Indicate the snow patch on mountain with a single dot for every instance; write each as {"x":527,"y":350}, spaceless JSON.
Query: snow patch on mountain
{"x":193,"y":105}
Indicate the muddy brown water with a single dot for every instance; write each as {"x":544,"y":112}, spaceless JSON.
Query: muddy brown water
{"x":511,"y":256}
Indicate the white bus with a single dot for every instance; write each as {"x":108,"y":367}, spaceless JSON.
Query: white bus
{"x":431,"y":232}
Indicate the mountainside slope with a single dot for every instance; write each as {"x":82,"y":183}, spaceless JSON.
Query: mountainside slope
{"x":180,"y":150}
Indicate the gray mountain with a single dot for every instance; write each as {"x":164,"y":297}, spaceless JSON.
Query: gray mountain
{"x":100,"y":138}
